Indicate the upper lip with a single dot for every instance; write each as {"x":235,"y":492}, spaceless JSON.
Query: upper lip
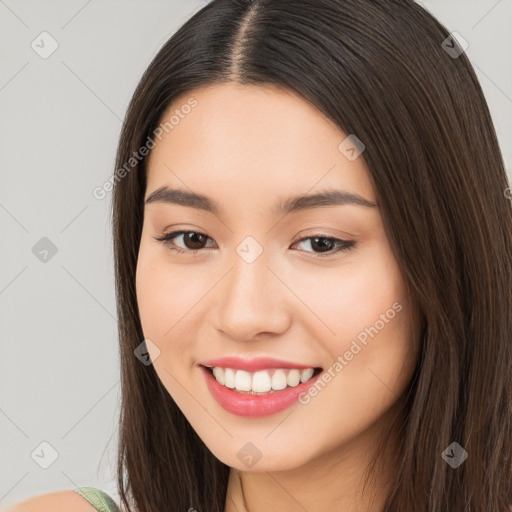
{"x":254,"y":364}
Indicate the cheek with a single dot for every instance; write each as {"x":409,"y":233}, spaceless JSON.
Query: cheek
{"x":373,"y":348}
{"x":151,"y":296}
{"x":351,"y":298}
{"x":166,"y":296}
{"x":371,"y":335}
{"x":156,"y":297}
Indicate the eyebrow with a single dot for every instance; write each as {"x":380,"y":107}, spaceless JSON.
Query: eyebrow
{"x":332,"y":197}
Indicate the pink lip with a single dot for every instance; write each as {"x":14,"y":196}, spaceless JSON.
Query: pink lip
{"x":254,"y":406}
{"x":252,"y":365}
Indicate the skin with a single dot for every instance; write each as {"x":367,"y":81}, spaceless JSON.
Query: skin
{"x":249,"y":148}
{"x":60,"y":501}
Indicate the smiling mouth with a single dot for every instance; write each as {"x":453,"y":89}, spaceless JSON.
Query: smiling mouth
{"x":263,"y":382}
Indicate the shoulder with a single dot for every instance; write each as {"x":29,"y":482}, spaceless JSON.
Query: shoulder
{"x":60,"y":501}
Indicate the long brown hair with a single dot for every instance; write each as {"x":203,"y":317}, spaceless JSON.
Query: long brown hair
{"x":387,"y":72}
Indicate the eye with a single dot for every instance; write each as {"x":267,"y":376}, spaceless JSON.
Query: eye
{"x":194,"y":238}
{"x":195,"y":241}
{"x":326,"y":244}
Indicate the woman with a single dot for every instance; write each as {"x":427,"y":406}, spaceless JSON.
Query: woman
{"x":313,"y":260}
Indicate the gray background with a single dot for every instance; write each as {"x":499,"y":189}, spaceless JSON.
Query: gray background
{"x":60,"y":120}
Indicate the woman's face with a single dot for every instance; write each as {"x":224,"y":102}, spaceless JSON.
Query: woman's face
{"x":267,"y":282}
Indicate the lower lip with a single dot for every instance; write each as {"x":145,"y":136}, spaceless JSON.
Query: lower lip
{"x":254,"y":406}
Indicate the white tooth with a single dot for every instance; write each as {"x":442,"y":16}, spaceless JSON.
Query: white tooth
{"x":306,"y":374}
{"x":261,"y":382}
{"x":278,"y":380}
{"x":218,"y":373}
{"x":293,"y":378}
{"x":243,"y":380}
{"x":229,"y":378}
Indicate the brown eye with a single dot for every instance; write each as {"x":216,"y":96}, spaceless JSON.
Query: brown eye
{"x":326,"y":244}
{"x":193,"y":240}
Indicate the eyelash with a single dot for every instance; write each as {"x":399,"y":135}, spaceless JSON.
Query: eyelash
{"x":346,"y":245}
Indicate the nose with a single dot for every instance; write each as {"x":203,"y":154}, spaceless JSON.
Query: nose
{"x":253,"y":300}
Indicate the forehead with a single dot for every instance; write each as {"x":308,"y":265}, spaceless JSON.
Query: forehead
{"x":258,"y":141}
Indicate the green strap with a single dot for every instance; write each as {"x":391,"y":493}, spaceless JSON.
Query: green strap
{"x":100,"y":500}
